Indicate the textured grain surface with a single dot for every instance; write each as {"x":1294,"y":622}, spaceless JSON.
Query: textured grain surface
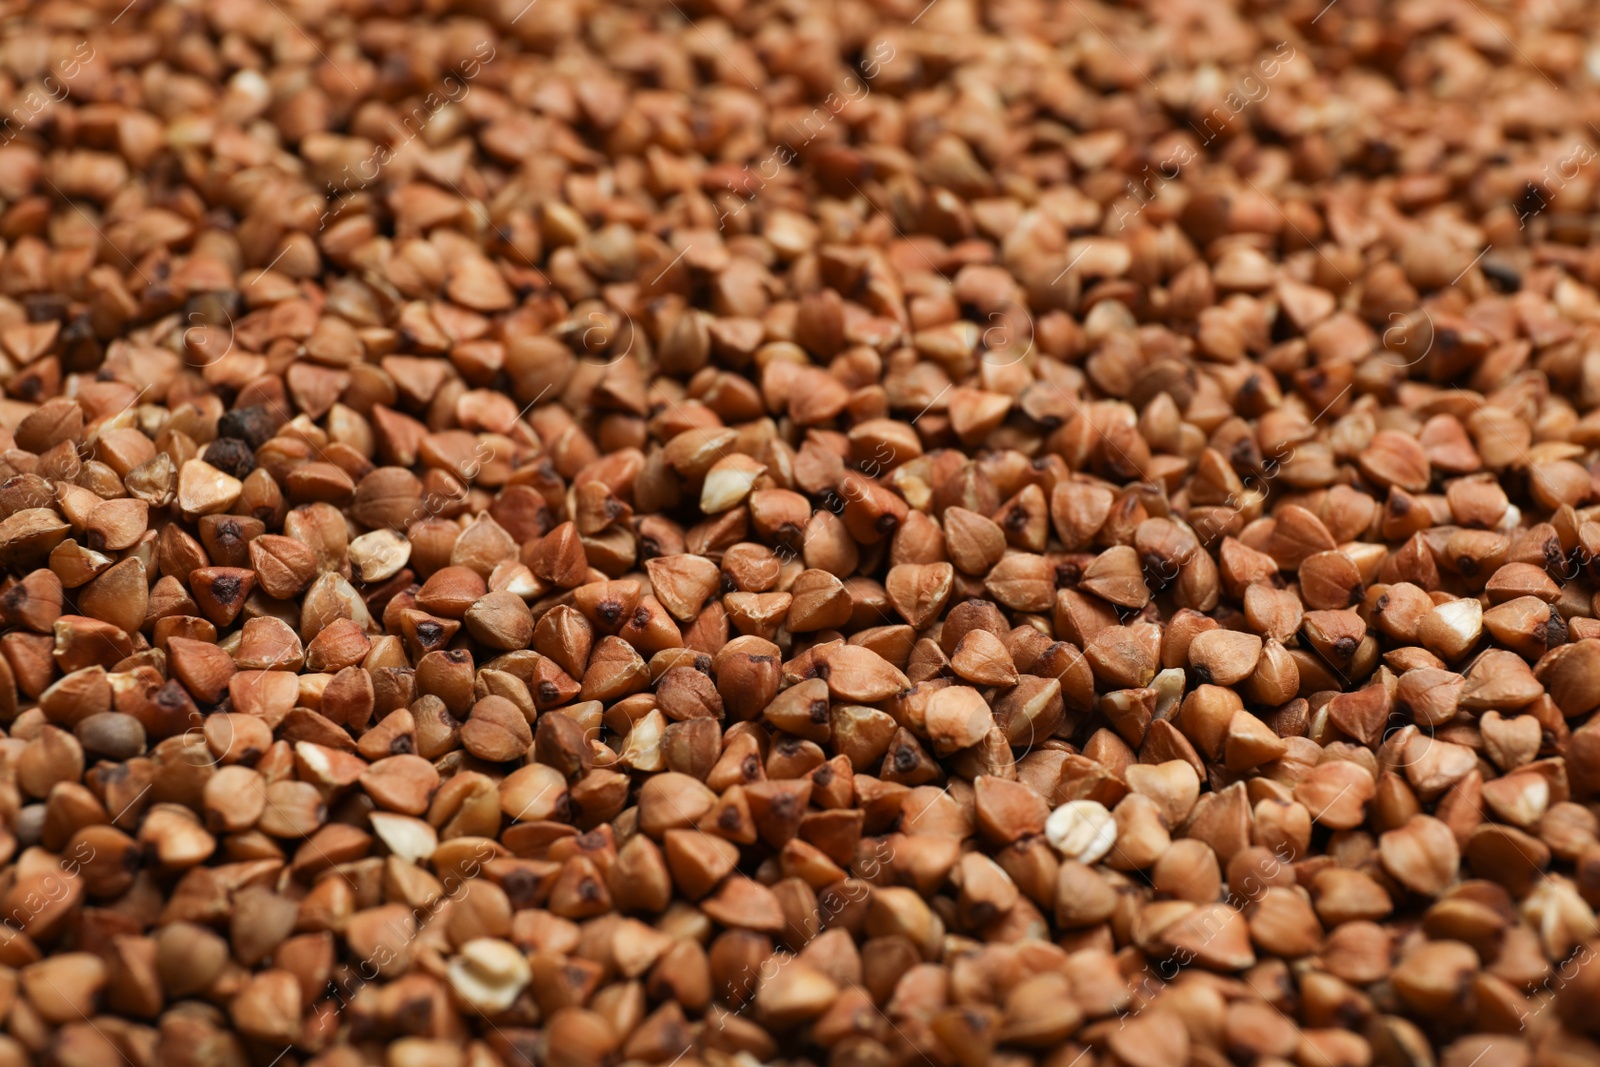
{"x":862,"y":534}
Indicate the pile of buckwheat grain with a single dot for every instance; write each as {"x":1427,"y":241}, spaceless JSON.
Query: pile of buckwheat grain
{"x":1032,"y":534}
